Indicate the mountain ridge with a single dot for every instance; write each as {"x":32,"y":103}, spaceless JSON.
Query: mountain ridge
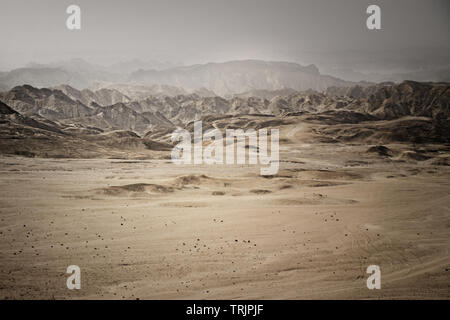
{"x":36,"y":121}
{"x":235,"y":77}
{"x":222,"y":78}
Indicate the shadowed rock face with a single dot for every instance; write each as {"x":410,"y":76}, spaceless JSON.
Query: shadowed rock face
{"x":380,"y":150}
{"x":4,"y":109}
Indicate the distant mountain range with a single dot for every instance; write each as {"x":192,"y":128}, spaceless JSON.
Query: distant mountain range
{"x":228,"y":78}
{"x":224,"y":79}
{"x":240,"y":76}
{"x":436,"y":74}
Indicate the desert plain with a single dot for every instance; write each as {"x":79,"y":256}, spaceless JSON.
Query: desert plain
{"x":142,"y":228}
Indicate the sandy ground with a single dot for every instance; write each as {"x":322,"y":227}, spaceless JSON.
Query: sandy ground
{"x":153,"y":230}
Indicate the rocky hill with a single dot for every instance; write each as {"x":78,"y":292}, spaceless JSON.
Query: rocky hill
{"x":407,"y":112}
{"x":103,"y":96}
{"x":409,"y":98}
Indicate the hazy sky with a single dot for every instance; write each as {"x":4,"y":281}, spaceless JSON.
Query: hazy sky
{"x":197,"y":31}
